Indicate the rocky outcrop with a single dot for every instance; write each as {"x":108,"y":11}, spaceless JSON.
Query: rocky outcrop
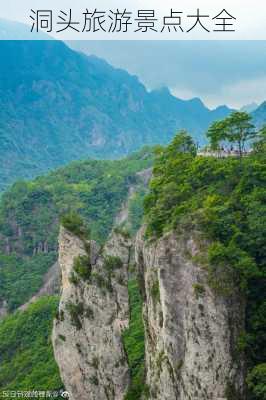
{"x":93,"y":312}
{"x":143,"y":178}
{"x":191,"y":331}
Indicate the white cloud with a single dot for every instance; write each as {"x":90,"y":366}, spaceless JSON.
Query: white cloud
{"x":234,"y":95}
{"x":238,"y":94}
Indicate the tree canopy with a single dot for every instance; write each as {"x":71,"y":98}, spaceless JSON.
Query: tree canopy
{"x":236,"y":130}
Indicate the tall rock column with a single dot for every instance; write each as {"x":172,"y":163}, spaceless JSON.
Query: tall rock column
{"x":192,"y":333}
{"x":93,"y":312}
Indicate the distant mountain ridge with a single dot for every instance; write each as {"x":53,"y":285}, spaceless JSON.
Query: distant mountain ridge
{"x":249,"y":107}
{"x":259,"y":115}
{"x":57,"y":105}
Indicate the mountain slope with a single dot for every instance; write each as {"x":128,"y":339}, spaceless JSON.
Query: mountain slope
{"x":29,"y":216}
{"x":259,"y":115}
{"x":57,"y":105}
{"x":27,"y":360}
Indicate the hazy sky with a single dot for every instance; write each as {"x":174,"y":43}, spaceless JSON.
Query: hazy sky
{"x":220,"y":72}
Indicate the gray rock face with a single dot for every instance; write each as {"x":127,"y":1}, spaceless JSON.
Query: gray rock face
{"x":191,"y":332}
{"x":92,"y":316}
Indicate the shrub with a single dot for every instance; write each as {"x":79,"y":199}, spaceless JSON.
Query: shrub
{"x":74,"y":224}
{"x":94,"y":380}
{"x":198,"y":289}
{"x":74,"y":279}
{"x":102,"y":282}
{"x":75,"y":312}
{"x":121,"y":230}
{"x":112,"y":262}
{"x":82,"y":267}
{"x":155,"y":292}
{"x":257,"y":382}
{"x":133,"y":340}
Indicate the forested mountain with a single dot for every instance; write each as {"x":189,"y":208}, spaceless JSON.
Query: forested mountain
{"x":27,"y":360}
{"x":30,"y":212}
{"x":200,"y":254}
{"x":57,"y":105}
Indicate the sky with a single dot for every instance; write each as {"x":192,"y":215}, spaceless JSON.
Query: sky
{"x":219,"y":72}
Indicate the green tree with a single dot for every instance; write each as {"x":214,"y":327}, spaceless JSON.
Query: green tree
{"x":260,"y":144}
{"x":239,"y":129}
{"x":215,"y":134}
{"x":236,"y":129}
{"x":182,"y":143}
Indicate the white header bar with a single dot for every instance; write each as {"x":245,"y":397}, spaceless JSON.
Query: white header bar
{"x":134,"y":19}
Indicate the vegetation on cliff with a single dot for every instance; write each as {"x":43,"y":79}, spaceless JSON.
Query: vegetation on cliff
{"x":133,"y":339}
{"x":224,"y":198}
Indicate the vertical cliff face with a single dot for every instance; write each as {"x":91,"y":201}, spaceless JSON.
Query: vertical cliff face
{"x":93,"y":313}
{"x":191,"y":331}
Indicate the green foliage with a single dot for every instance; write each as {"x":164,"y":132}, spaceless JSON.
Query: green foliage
{"x":112,"y":263}
{"x":27,"y":361}
{"x":133,"y":339}
{"x":260,"y":143}
{"x":224,"y":200}
{"x":236,"y":129}
{"x":199,"y":289}
{"x":102,"y":282}
{"x":135,"y":211}
{"x":76,"y":313}
{"x":122,"y":230}
{"x":62,"y":337}
{"x":82,"y":267}
{"x":94,"y":380}
{"x":90,"y":191}
{"x":21,"y":277}
{"x":75,"y":224}
{"x":155,"y":292}
{"x":257,"y":382}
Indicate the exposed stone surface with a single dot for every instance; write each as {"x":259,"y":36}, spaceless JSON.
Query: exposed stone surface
{"x":92,"y":315}
{"x":51,"y":284}
{"x":123,"y":216}
{"x":191,"y":332}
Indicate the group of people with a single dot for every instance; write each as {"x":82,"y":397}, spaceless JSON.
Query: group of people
{"x":222,"y":152}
